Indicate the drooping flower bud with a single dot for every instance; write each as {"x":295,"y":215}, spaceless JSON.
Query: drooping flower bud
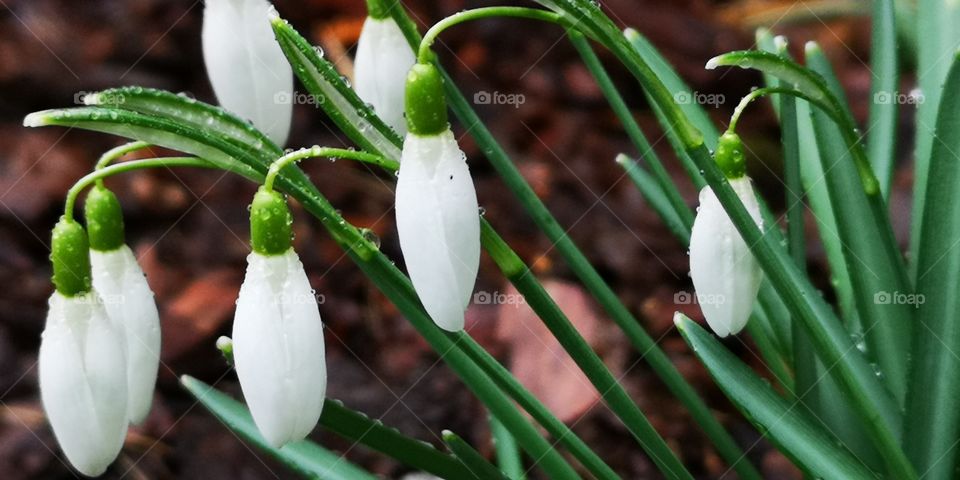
{"x":82,"y":365}
{"x":725,"y":274}
{"x":127,"y":297}
{"x":437,"y":212}
{"x":278,"y":345}
{"x":247,"y":69}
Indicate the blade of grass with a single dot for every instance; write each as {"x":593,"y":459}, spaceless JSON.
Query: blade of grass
{"x":306,"y":458}
{"x":882,"y":123}
{"x":788,"y":427}
{"x":933,"y":431}
{"x":578,"y":262}
{"x":579,"y":350}
{"x":479,"y":466}
{"x":508,"y":453}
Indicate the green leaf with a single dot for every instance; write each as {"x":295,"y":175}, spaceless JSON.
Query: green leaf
{"x":478,"y":466}
{"x":508,"y":453}
{"x":187,"y":111}
{"x":933,"y":430}
{"x":679,"y":90}
{"x":882,"y":123}
{"x":655,"y":197}
{"x":305,"y":457}
{"x":788,"y":427}
{"x":865,"y":233}
{"x":331,"y":92}
{"x":937,"y":39}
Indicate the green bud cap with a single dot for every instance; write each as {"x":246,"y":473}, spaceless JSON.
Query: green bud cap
{"x":70,"y":254}
{"x":270,"y":223}
{"x":426,"y":105}
{"x":377,"y":9}
{"x":729,"y":156}
{"x":104,"y":219}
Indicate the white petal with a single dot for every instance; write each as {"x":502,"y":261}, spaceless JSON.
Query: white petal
{"x":83,"y":382}
{"x":130,"y":304}
{"x":380,"y":69}
{"x":278,"y":348}
{"x":725,"y":273}
{"x":248,"y":71}
{"x":439,"y":225}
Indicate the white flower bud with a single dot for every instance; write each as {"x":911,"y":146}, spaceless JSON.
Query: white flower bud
{"x":248,"y":71}
{"x":278,"y":348}
{"x":380,"y":69}
{"x":83,"y":381}
{"x":725,"y":273}
{"x":439,"y":225}
{"x":130,"y":304}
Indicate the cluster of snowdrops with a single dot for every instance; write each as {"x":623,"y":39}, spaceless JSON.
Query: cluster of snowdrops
{"x":100,"y":351}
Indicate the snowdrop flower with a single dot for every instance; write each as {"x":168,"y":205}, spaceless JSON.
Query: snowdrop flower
{"x":383,"y":59}
{"x":128,"y":300}
{"x":725,"y":273}
{"x":248,"y":70}
{"x":277,"y":333}
{"x":437,"y":213}
{"x":83,"y":379}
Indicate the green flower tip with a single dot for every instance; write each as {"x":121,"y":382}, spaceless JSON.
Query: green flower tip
{"x":729,"y":156}
{"x":70,"y":255}
{"x":631,"y":33}
{"x":104,"y":219}
{"x":271,"y":223}
{"x":377,"y":9}
{"x":426,"y":106}
{"x":678,"y":320}
{"x":811,"y":48}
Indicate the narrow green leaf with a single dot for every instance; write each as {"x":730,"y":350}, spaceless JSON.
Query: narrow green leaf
{"x":789,"y":427}
{"x":305,"y":457}
{"x":478,"y":466}
{"x":937,"y":39}
{"x":683,"y":96}
{"x":186,"y":110}
{"x":864,"y":232}
{"x":331,"y":92}
{"x":580,"y":351}
{"x":508,"y":453}
{"x":654,"y":195}
{"x":882,"y":123}
{"x":933,"y":431}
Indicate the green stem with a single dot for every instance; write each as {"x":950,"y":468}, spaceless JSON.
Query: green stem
{"x":474,"y":462}
{"x":423,"y":53}
{"x":114,"y":153}
{"x":326,"y":152}
{"x":104,"y":172}
{"x":760,"y":92}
